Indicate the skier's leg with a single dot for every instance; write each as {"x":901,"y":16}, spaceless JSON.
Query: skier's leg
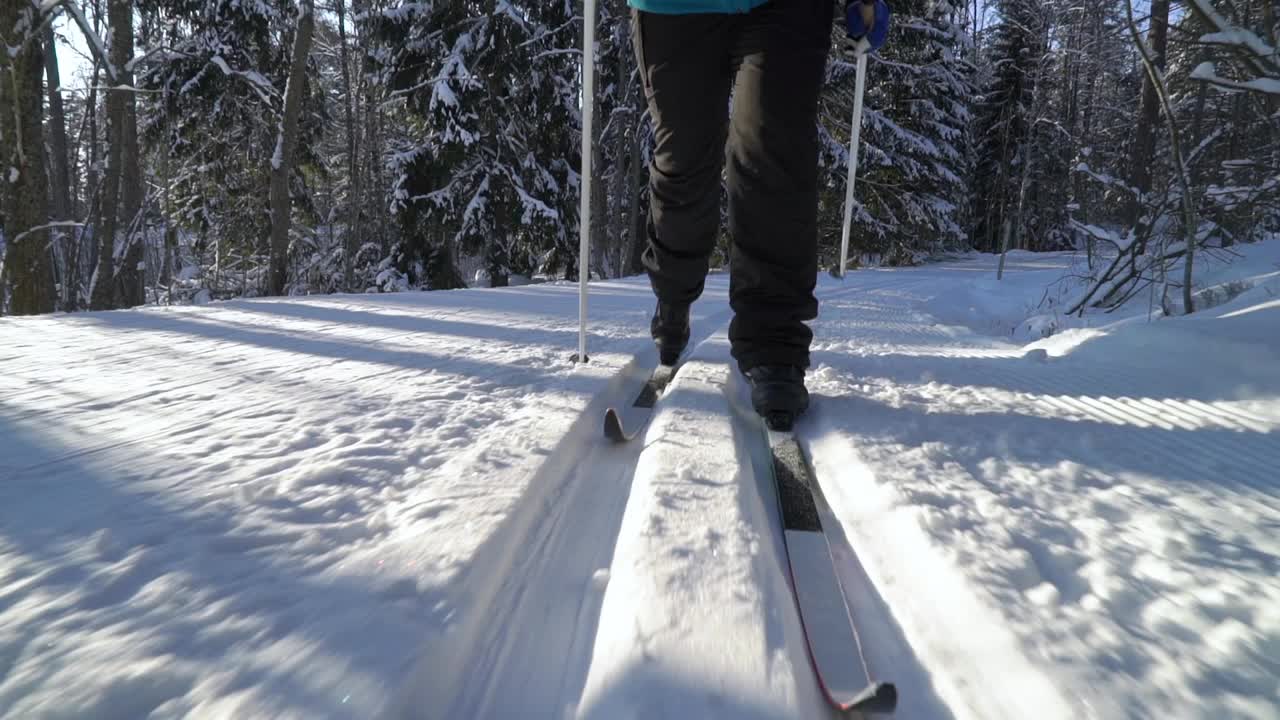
{"x":685,"y":66}
{"x":773,"y":181}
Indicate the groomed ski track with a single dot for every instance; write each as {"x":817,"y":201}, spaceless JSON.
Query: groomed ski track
{"x":696,"y":619}
{"x":1023,"y":531}
{"x":533,"y":643}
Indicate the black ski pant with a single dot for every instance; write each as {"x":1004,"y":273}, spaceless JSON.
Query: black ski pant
{"x":772,"y":59}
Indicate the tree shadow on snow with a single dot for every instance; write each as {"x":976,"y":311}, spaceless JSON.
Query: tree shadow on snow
{"x":193,"y":582}
{"x":547,"y":366}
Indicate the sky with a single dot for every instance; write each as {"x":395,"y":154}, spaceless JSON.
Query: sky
{"x":73,"y":53}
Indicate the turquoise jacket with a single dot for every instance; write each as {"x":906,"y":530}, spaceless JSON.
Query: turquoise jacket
{"x":685,"y":7}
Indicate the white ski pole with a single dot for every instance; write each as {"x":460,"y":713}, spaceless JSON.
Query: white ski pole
{"x":860,"y":86}
{"x":584,"y":209}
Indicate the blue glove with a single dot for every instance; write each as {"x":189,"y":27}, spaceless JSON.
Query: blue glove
{"x":866,"y":38}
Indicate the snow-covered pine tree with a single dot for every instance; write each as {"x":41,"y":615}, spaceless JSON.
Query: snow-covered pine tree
{"x":119,"y":280}
{"x":1146,"y":130}
{"x":622,"y":127}
{"x":1095,"y":107}
{"x":218,"y":74}
{"x":1226,"y":82}
{"x":916,"y":151}
{"x":1005,"y":127}
{"x":488,"y":95}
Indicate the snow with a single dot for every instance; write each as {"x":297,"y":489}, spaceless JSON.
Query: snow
{"x":695,"y":621}
{"x":277,"y":156}
{"x":1239,"y":37}
{"x":1106,"y":511}
{"x":258,"y":82}
{"x":400,"y":505}
{"x":1206,"y":71}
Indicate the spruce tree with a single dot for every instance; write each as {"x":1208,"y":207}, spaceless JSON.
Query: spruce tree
{"x":915,"y":143}
{"x":488,"y":96}
{"x":218,"y":75}
{"x":1005,"y":119}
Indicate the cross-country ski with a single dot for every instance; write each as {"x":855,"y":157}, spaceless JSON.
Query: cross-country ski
{"x":830,"y":633}
{"x":607,"y":360}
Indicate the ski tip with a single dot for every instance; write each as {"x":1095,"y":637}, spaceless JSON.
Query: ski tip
{"x":877,"y":699}
{"x":613,"y":426}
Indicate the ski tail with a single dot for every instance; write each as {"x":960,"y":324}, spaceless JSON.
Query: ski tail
{"x":831,"y":635}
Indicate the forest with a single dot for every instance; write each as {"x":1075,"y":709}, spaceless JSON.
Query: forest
{"x":213,"y":149}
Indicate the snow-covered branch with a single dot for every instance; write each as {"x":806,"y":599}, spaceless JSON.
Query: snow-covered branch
{"x":96,"y":45}
{"x":257,"y":82}
{"x":47,"y":226}
{"x":1207,"y":72}
{"x":1256,"y":53}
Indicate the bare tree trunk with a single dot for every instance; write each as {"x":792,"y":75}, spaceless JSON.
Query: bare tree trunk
{"x":60,"y":180}
{"x":1152,"y":62}
{"x":1027,"y":153}
{"x":60,"y":198}
{"x":286,"y":143}
{"x":1086,"y":131}
{"x":100,"y":293}
{"x":627,"y":121}
{"x":93,"y":182}
{"x":599,"y":204}
{"x":351,"y":239}
{"x":131,"y":283}
{"x":1004,"y":246}
{"x":121,"y":188}
{"x":1144,"y":143}
{"x":635,"y":188}
{"x":24,"y":186}
{"x":169,"y":263}
{"x":617,"y":202}
{"x":104,"y":208}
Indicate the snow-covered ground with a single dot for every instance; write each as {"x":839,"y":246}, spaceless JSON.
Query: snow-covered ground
{"x":401,"y":506}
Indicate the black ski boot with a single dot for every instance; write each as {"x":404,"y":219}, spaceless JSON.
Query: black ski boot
{"x":670,"y":330}
{"x":778,"y":394}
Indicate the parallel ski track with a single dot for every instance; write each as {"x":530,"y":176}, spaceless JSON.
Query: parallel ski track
{"x":1097,"y":392}
{"x":532,"y":656}
{"x":243,"y":364}
{"x":525,"y":648}
{"x":1235,"y":446}
{"x":251,"y":410}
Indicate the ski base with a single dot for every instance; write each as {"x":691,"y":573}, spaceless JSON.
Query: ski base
{"x":832,"y":638}
{"x":645,"y":400}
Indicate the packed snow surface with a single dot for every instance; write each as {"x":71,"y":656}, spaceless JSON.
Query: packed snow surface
{"x":401,"y":505}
